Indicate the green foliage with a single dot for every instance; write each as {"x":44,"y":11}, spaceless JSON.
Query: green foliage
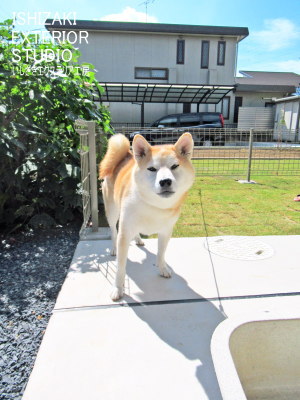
{"x":39,"y":160}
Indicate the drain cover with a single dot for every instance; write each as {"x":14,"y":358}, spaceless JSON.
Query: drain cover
{"x":239,"y":247}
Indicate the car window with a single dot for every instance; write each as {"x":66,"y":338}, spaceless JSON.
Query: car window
{"x":208,"y":119}
{"x":189,"y":120}
{"x":168,"y":121}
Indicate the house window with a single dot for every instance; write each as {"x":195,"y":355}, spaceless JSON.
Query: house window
{"x":180,"y":51}
{"x":225,"y":110}
{"x":204,"y":54}
{"x":151,"y":73}
{"x":221,"y":53}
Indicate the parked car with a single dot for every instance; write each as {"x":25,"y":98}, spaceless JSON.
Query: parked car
{"x":204,"y":126}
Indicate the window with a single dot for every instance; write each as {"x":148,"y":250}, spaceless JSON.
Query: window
{"x":180,"y":51}
{"x":190,"y":120}
{"x":151,"y":73}
{"x":221,"y":53}
{"x":168,"y":122}
{"x":205,"y":54}
{"x":210,"y":118}
{"x":226,"y":107}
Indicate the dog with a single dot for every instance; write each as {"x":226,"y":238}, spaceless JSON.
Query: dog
{"x":143,"y":190}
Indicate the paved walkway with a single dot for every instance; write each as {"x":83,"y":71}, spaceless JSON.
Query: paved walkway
{"x":155,"y":343}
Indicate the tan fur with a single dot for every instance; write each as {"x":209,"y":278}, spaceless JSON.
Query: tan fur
{"x":144,"y":192}
{"x":118,"y":150}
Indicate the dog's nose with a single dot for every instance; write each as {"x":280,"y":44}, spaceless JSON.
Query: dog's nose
{"x":165,"y":183}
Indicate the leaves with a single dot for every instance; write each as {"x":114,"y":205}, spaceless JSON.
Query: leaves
{"x":40,"y":164}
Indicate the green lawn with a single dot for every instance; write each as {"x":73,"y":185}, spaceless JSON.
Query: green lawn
{"x":222,"y":206}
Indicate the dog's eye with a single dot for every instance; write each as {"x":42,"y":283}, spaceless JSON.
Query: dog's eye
{"x":152,"y":169}
{"x":174,"y":166}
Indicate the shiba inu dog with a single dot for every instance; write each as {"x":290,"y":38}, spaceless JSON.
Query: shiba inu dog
{"x":144,"y":190}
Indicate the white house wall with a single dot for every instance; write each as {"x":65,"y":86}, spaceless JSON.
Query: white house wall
{"x":287,"y":119}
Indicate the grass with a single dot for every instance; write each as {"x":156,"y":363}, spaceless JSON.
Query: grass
{"x":219,"y":206}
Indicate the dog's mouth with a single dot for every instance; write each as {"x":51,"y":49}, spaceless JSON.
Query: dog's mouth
{"x":166,"y":193}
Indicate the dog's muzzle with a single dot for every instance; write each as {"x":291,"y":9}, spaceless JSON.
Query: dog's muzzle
{"x":166,"y":190}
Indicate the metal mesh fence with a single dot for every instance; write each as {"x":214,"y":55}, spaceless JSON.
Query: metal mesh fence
{"x":230,"y":151}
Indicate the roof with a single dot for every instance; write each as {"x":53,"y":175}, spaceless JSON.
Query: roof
{"x":259,"y":81}
{"x":286,"y":99}
{"x":286,"y":89}
{"x":163,"y":93}
{"x":240,"y":32}
{"x":269,"y":78}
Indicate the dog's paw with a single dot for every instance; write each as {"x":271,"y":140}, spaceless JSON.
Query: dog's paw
{"x":165,"y":272}
{"x":116,"y":293}
{"x":113,"y":252}
{"x":139,"y":241}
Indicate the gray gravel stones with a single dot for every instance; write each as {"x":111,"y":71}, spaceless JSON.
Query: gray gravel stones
{"x":33,"y":266}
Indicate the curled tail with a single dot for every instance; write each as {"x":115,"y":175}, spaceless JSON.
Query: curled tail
{"x":118,"y":150}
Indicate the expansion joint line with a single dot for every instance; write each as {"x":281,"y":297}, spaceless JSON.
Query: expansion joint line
{"x":210,"y":257}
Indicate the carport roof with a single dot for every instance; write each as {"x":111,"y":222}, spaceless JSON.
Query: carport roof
{"x":163,"y":93}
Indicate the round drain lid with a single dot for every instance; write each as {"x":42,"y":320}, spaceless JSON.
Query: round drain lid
{"x":239,"y":247}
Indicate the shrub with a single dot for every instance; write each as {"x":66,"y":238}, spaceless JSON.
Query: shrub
{"x":40,"y":166}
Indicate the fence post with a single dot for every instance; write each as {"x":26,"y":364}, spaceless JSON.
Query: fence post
{"x":249,"y":159}
{"x":250,"y":155}
{"x":93,"y":174}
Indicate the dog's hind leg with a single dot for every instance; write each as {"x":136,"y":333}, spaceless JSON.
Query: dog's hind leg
{"x":112,"y":212}
{"x":112,"y":219}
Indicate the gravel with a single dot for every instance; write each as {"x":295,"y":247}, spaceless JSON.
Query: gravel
{"x":33,"y":266}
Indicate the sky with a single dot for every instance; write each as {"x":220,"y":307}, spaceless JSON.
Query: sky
{"x":273,"y":43}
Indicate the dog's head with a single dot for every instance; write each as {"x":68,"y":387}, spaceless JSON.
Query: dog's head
{"x":163,"y":173}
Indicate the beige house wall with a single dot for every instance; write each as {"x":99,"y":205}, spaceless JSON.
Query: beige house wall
{"x":115,"y":56}
{"x":257,"y":99}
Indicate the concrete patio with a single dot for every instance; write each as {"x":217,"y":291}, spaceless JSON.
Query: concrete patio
{"x":155,"y":343}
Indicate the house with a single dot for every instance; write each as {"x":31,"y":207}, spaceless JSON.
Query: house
{"x":260,"y":89}
{"x":150,"y":69}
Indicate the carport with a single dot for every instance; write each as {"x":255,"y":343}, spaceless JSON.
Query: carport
{"x":163,"y":93}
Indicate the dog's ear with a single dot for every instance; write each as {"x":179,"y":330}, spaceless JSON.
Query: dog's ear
{"x":184,"y":145}
{"x":140,"y":147}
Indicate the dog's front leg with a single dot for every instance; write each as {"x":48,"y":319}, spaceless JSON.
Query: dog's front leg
{"x":163,"y":240}
{"x":123,"y":241}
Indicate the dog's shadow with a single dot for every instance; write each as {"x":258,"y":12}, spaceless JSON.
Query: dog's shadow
{"x":179,"y":316}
